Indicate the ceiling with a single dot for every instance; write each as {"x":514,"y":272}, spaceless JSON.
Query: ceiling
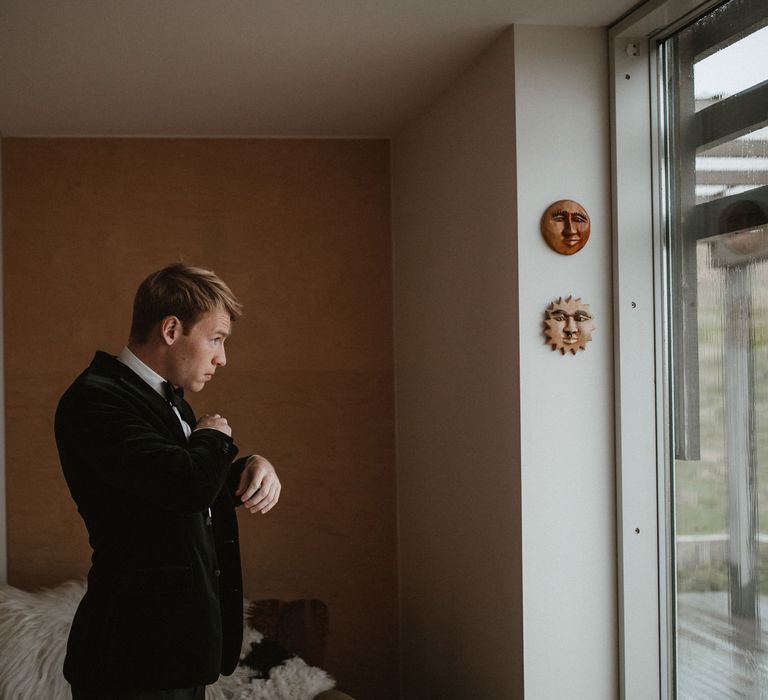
{"x":247,"y":67}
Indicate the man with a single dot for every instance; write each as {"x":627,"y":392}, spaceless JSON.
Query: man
{"x":162,"y":615}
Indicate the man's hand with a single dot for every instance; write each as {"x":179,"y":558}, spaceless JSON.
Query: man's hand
{"x":215,"y":422}
{"x":259,"y":487}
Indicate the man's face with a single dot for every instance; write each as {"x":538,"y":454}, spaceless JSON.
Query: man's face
{"x":565,"y":226}
{"x":196,"y":355}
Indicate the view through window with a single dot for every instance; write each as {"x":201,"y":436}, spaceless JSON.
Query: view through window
{"x":715,"y":76}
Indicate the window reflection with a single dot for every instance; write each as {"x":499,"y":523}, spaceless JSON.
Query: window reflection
{"x":717,"y":255}
{"x":734,"y":167}
{"x":731,"y":69}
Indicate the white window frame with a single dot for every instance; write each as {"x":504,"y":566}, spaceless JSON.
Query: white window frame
{"x":643,"y":532}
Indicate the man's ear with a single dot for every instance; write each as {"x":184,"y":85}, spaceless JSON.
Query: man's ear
{"x":170,"y":329}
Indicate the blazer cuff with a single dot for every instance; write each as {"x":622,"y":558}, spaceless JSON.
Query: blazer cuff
{"x":233,"y":478}
{"x":225,"y":444}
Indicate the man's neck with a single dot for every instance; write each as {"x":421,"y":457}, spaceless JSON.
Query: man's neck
{"x":151,"y":359}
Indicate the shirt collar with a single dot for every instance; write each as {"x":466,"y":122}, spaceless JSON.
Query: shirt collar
{"x":144,"y":371}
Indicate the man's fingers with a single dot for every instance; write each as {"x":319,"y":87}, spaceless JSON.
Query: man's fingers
{"x":215,"y":422}
{"x":264,"y":491}
{"x":259,"y":487}
{"x":265,"y":498}
{"x":269,"y":502}
{"x":255,"y":499}
{"x":252,"y":487}
{"x":248,"y":485}
{"x":269,"y":507}
{"x":252,"y":476}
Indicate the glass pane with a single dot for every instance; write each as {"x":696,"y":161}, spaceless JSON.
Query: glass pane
{"x":716,"y":175}
{"x":732,"y":69}
{"x":733,"y":167}
{"x":722,"y":498}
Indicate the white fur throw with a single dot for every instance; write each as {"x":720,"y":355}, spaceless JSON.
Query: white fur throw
{"x":291,"y":680}
{"x":33,"y":640}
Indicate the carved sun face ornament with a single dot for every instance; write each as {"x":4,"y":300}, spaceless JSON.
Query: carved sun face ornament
{"x":565,"y":226}
{"x":568,"y":325}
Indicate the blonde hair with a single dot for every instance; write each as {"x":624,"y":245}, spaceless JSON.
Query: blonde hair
{"x":183,"y":291}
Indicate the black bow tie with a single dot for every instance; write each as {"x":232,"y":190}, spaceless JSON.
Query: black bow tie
{"x":173,"y":395}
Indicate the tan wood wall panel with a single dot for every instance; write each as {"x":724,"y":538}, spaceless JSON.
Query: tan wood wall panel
{"x":300,"y":230}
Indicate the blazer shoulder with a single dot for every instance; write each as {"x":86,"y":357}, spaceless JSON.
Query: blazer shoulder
{"x":107,"y":390}
{"x":107,"y":377}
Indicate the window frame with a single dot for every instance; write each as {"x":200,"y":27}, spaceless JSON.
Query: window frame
{"x":646,"y":649}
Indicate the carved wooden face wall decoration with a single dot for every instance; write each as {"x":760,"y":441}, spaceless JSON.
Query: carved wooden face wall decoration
{"x":568,"y":325}
{"x":565,"y":226}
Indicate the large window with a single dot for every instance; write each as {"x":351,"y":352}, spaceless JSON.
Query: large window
{"x":690,"y":121}
{"x":715,"y":162}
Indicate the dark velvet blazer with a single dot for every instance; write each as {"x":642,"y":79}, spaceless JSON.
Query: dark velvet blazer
{"x":164,"y":602}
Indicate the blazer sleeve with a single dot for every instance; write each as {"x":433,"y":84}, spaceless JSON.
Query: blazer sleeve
{"x":233,"y":478}
{"x":120,"y":445}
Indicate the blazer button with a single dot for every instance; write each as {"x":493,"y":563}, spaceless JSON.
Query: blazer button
{"x":217,"y":573}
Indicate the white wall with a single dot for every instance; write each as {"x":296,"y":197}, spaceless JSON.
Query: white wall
{"x":457,"y":390}
{"x":505,"y":448}
{"x":567,"y":455}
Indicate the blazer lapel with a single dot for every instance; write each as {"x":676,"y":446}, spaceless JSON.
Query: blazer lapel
{"x":108,"y":364}
{"x":158,"y":404}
